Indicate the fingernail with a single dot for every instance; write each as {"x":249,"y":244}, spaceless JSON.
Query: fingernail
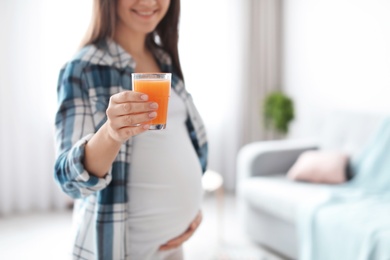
{"x":154,"y":105}
{"x":153,"y":114}
{"x":146,"y":127}
{"x":144,"y":97}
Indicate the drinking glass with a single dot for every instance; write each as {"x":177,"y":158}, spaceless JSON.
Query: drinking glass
{"x":158,"y":87}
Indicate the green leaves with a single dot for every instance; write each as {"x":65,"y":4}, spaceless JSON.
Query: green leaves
{"x":278,"y":111}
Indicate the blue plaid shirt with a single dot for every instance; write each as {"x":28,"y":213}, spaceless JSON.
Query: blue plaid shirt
{"x":84,"y":88}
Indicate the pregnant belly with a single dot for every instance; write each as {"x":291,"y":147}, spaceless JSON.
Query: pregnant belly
{"x":165,"y":191}
{"x":160,"y":212}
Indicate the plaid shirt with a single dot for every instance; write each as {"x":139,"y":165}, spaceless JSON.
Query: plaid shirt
{"x":84,"y":88}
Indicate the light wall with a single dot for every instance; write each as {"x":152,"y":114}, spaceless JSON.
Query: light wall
{"x":38,"y":37}
{"x":336,"y":56}
{"x":212,"y":46}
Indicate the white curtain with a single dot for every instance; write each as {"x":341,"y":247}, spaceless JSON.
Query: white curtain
{"x":37,"y":38}
{"x":231,"y":54}
{"x":212,"y":47}
{"x":265,"y":46}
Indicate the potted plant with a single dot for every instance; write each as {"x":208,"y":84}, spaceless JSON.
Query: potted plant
{"x":278,"y":112}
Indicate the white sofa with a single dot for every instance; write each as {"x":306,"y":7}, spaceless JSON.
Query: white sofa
{"x":268,"y":201}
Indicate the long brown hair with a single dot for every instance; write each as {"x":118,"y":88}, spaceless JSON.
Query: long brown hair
{"x":103,"y":25}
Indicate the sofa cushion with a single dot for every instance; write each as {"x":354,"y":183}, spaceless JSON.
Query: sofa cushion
{"x":320,"y":167}
{"x":280,"y":196}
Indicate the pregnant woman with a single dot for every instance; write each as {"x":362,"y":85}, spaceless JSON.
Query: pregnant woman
{"x":137,"y":191}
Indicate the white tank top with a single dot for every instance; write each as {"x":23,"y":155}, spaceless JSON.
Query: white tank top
{"x":164,"y":186}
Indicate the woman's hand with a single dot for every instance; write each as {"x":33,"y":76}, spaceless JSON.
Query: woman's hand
{"x":171,"y":244}
{"x":128,"y":114}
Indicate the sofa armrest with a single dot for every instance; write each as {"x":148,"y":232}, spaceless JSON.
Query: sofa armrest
{"x":270,"y":157}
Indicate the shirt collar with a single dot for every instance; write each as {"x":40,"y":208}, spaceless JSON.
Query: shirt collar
{"x":109,"y":53}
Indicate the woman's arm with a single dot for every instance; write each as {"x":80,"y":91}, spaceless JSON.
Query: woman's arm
{"x":83,"y":156}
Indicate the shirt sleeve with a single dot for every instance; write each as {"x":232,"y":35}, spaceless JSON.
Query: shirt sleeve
{"x":74,"y":128}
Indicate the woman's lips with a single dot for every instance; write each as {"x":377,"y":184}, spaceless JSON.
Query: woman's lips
{"x":145,"y":14}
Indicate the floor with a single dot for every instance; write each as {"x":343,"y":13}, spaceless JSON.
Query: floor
{"x":46,"y":236}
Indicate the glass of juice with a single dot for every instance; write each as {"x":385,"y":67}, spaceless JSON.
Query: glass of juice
{"x":158,"y":87}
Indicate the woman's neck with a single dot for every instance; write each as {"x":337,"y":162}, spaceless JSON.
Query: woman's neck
{"x":133,"y":43}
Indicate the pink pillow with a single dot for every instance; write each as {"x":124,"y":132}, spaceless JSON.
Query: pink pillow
{"x":320,"y":167}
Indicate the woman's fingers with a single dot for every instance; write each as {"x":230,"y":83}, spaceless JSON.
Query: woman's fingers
{"x":128,"y":113}
{"x":128,"y":121}
{"x":128,"y":96}
{"x":173,"y":243}
{"x":132,"y":120}
{"x":197,"y":221}
{"x":127,"y":108}
{"x":178,"y":240}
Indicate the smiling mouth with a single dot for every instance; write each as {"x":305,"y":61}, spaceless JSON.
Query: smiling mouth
{"x":145,"y":13}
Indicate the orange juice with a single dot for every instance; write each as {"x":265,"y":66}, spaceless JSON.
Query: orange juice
{"x":158,"y":91}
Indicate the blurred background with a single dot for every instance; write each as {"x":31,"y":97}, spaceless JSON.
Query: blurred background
{"x":324,"y":55}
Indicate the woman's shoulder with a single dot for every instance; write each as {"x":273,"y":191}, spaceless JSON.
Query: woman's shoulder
{"x":88,"y":55}
{"x":105,"y":53}
{"x":85,"y":53}
{"x":81,"y":63}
